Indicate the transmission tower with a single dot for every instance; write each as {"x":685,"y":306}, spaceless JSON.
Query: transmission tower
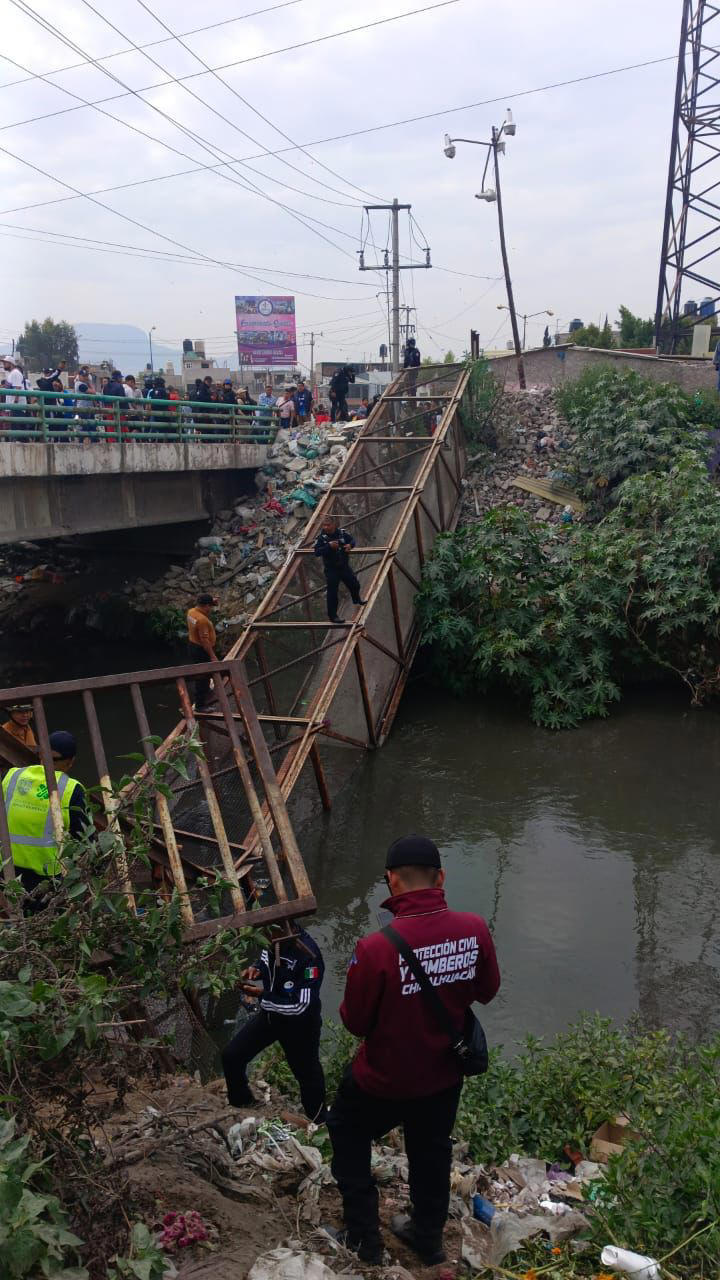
{"x":691,"y":231}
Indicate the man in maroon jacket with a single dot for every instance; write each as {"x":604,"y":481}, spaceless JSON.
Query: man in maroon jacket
{"x":405,"y":1071}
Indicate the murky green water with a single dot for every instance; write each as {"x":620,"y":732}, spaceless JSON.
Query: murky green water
{"x":593,"y":854}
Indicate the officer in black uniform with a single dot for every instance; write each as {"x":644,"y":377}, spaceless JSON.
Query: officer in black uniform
{"x":286,"y":980}
{"x":332,"y":545}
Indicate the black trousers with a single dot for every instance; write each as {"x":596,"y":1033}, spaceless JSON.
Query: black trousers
{"x":299,"y":1038}
{"x":356,"y":1118}
{"x":333,"y":579}
{"x":201,"y":689}
{"x":339,"y":410}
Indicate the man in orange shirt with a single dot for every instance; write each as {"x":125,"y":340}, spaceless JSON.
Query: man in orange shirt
{"x":19,"y":727}
{"x":201,"y":644}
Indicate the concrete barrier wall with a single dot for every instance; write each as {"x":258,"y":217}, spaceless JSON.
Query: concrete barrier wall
{"x":551,"y":366}
{"x":97,"y":458}
{"x":57,"y":505}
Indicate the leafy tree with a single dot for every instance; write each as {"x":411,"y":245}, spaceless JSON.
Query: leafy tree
{"x":426,"y":360}
{"x":593,"y":336}
{"x":450,"y":358}
{"x":561,"y":616}
{"x":547,"y":340}
{"x":42,"y":345}
{"x":635,"y":332}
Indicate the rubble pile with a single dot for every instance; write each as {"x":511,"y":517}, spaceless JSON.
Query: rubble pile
{"x":247,"y":545}
{"x":533,"y":441}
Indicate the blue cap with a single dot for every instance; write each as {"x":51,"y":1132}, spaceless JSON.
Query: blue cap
{"x":63,"y":744}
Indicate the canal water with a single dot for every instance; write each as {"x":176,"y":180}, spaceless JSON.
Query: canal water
{"x":593,"y":853}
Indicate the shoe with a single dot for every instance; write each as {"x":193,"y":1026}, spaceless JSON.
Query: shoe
{"x":246,"y":1099}
{"x":339,"y":622}
{"x":430,"y":1252}
{"x":370,"y":1251}
{"x":359,"y":601}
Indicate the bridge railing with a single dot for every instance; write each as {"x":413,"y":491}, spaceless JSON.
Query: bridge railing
{"x":45,"y":416}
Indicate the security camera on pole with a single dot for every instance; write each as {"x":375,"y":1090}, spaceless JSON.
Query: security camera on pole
{"x":496,"y":147}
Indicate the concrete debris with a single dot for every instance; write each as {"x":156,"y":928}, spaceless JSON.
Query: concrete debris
{"x":534,"y":440}
{"x":247,"y":545}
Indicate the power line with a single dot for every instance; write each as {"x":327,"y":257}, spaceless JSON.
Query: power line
{"x":233,"y":177}
{"x":143,"y":227}
{"x":250,"y":106}
{"x":393,"y":124}
{"x":120,"y":53}
{"x":163,"y":255}
{"x":257,"y":57}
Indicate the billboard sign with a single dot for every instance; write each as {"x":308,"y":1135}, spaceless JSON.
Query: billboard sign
{"x":266,"y":330}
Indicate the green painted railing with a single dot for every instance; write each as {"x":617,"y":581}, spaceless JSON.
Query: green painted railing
{"x":73,"y":416}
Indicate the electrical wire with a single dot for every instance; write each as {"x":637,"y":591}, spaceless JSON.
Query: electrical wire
{"x":250,"y":107}
{"x":151,"y":44}
{"x":233,"y":177}
{"x":257,"y":57}
{"x":162,"y":255}
{"x":150,"y":230}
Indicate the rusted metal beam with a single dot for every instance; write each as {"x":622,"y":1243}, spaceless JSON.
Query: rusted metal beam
{"x":162,"y":808}
{"x":367,"y":706}
{"x":320,"y":778}
{"x":392,"y":585}
{"x":156,"y":675}
{"x":254,"y":919}
{"x":109,"y":799}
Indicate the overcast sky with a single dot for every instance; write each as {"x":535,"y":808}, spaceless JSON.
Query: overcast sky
{"x":583,"y":180}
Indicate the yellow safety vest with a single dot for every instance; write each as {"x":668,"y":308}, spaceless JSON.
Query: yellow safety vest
{"x":27,"y":804}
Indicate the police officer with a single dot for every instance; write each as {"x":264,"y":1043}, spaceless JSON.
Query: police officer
{"x":35,"y":853}
{"x":290,"y":973}
{"x":332,"y":545}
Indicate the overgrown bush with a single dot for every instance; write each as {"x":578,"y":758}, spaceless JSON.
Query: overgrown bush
{"x":75,"y":981}
{"x":562,"y":616}
{"x":478,"y":405}
{"x":627,"y":425}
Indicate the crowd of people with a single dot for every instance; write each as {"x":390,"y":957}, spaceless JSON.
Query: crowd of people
{"x":85,"y":405}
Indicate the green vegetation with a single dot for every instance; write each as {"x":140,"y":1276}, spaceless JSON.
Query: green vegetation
{"x":42,"y":344}
{"x":562,"y":616}
{"x":166,"y":623}
{"x":664,"y":1187}
{"x":73,"y":977}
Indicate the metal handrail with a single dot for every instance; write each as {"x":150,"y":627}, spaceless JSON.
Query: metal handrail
{"x":31,"y":414}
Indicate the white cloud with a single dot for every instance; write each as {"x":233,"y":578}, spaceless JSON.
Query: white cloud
{"x":583,"y":180}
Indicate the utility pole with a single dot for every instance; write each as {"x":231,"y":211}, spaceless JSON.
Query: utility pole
{"x":395,"y":268}
{"x":407,"y":329}
{"x":312,"y":336}
{"x":506,"y":265}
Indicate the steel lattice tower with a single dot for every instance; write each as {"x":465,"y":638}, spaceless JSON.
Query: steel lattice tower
{"x":691,"y":231}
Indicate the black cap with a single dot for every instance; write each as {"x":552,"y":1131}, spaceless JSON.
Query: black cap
{"x":206,"y":598}
{"x":413,"y":851}
{"x":63,"y":744}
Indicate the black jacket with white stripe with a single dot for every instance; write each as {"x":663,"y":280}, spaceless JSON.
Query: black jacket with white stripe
{"x":292,"y":973}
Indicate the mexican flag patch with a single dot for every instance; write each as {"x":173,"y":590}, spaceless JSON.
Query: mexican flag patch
{"x":312,"y":972}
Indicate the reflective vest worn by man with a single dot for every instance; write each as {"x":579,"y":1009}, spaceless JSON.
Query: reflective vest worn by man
{"x":35,"y":852}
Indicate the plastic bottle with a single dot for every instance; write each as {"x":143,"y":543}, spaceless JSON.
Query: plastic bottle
{"x":634,"y":1264}
{"x":483,"y":1210}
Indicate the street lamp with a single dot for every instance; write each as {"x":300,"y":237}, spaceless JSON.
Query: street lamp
{"x":492,"y":195}
{"x":150,"y":334}
{"x":525,"y":318}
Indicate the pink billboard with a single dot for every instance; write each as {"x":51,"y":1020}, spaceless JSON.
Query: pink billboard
{"x":266,"y":330}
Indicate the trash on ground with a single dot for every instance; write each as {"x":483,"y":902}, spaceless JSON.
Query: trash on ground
{"x":290,"y":1264}
{"x":610,"y":1139}
{"x":634,"y":1264}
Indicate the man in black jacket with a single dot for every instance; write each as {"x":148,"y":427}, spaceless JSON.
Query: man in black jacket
{"x":332,"y":545}
{"x":411,"y":361}
{"x":287,"y":981}
{"x":339,"y":384}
